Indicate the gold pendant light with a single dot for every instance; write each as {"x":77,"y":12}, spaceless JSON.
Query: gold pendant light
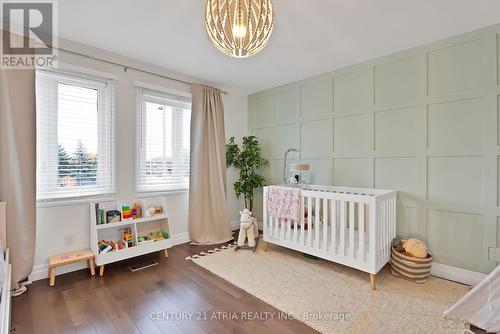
{"x":239,"y":28}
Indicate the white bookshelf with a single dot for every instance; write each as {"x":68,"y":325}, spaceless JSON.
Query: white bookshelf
{"x":140,"y":226}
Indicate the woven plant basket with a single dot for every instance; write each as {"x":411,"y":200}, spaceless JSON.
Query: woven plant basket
{"x":411,"y":268}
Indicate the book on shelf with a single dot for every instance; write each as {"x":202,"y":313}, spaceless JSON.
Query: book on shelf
{"x":107,"y":249}
{"x":97,"y":218}
{"x":113,"y":216}
{"x":100,"y":215}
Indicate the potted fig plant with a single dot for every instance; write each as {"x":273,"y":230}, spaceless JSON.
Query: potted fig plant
{"x":248,"y":161}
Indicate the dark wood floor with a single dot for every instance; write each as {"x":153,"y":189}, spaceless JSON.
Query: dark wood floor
{"x":123,"y":301}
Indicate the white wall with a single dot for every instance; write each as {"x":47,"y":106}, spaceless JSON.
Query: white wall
{"x":63,"y":227}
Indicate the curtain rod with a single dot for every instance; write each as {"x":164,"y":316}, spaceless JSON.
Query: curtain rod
{"x":127,"y":67}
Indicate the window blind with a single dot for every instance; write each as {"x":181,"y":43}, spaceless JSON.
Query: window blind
{"x":163,"y":133}
{"x":75,"y":135}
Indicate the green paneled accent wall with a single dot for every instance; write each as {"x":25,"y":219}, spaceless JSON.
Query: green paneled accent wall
{"x":423,"y":121}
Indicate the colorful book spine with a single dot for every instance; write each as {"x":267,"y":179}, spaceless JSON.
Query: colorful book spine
{"x":100,"y":216}
{"x":97,"y":213}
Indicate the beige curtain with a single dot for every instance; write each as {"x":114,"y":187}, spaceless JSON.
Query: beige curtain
{"x":18,"y":166}
{"x":208,"y":217}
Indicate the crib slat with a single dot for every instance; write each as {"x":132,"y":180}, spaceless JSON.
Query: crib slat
{"x":343,"y":206}
{"x":288,"y":232}
{"x":298,"y":223}
{"x":361,"y":230}
{"x":382,"y":228}
{"x":394,"y":217}
{"x":309,"y":218}
{"x":277,"y":228}
{"x":372,"y":233}
{"x":281,"y":229}
{"x":270,"y":230}
{"x":336,"y":207}
{"x":285,"y":228}
{"x":391,"y":219}
{"x":389,"y":232}
{"x":264,"y":212}
{"x":380,"y":238}
{"x":303,"y":223}
{"x":333,"y":236}
{"x":388,"y":236}
{"x":384,"y":224}
{"x":351,"y":230}
{"x":392,"y":214}
{"x":271,"y":226}
{"x":388,"y":229}
{"x":317,"y":211}
{"x":295,"y":227}
{"x":266,"y":225}
{"x":324,"y":242}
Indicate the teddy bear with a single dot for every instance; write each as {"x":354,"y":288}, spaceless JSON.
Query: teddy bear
{"x":415,"y":248}
{"x":247,"y":228}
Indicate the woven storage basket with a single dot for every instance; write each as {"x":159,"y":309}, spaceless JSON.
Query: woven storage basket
{"x":411,"y":268}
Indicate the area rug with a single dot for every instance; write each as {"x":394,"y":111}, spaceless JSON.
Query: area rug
{"x":332,"y":298}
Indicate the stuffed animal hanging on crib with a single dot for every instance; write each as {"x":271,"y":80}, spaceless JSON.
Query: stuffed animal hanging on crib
{"x":247,"y":229}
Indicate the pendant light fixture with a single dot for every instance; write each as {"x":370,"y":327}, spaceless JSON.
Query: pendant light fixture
{"x":239,"y":28}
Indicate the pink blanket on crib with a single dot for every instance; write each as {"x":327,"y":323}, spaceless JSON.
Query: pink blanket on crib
{"x":283,"y":202}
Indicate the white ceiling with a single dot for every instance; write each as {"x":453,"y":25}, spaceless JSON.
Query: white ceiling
{"x":310,"y":36}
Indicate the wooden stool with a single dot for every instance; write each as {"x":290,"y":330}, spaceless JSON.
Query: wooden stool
{"x":68,"y":258}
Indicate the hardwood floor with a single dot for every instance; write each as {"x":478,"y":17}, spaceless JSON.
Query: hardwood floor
{"x":128,"y":302}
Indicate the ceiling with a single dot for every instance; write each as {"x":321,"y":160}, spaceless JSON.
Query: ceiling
{"x":310,"y":36}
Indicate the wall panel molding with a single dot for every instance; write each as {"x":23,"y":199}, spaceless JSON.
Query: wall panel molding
{"x":424,"y":121}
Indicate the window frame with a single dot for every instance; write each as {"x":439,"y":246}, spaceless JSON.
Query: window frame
{"x":148,"y":95}
{"x":106,"y":137}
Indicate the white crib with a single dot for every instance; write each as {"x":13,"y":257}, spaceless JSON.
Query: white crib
{"x":350,"y":226}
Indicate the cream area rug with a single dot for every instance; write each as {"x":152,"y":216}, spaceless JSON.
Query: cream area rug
{"x":332,"y":298}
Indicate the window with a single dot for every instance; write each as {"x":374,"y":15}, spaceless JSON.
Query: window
{"x":162,"y":141}
{"x":75,"y":136}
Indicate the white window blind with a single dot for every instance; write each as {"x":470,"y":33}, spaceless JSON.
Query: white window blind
{"x":75,"y":135}
{"x":163,"y":131}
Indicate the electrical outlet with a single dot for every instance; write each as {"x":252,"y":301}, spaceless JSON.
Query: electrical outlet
{"x":494,"y":254}
{"x":69,"y":240}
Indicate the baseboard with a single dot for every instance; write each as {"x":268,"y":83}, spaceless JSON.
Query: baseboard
{"x":41,"y":271}
{"x":180,"y":238}
{"x":456,"y":274}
